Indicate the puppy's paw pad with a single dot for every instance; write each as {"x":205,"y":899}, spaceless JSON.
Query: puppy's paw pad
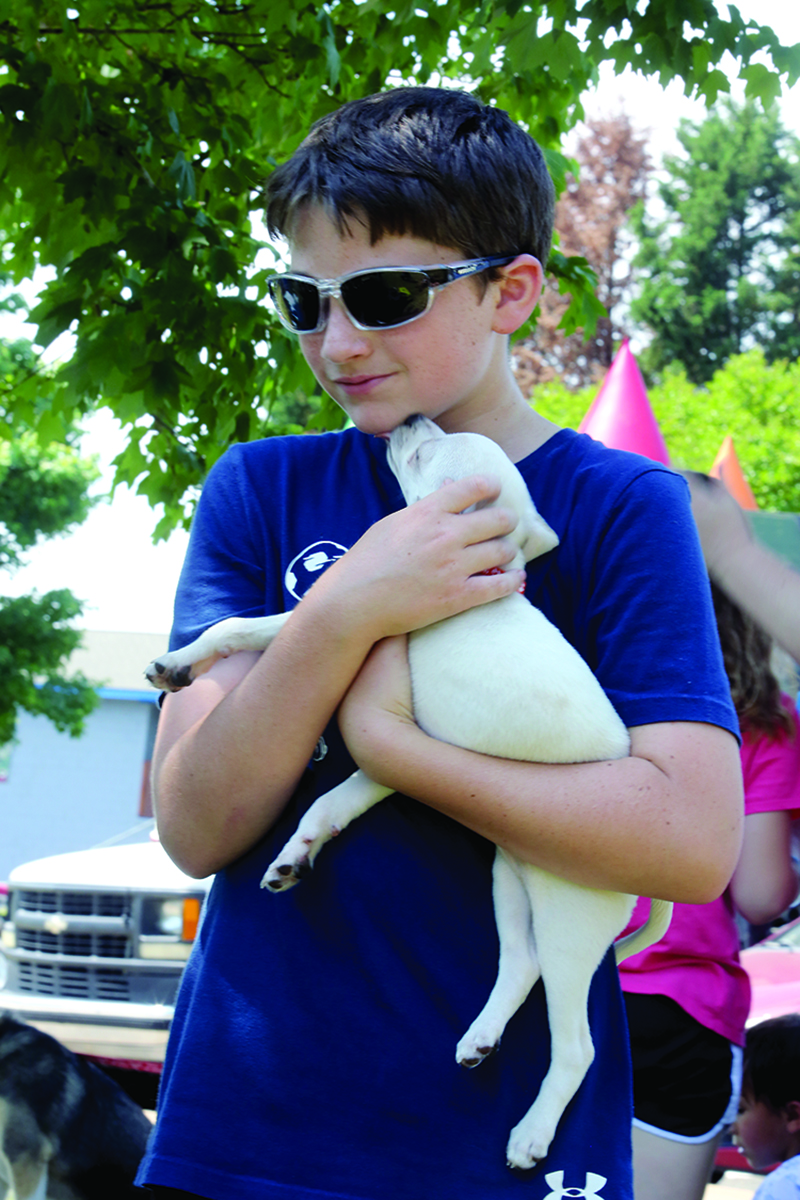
{"x":162,"y":674}
{"x":472,"y":1050}
{"x":280,"y":876}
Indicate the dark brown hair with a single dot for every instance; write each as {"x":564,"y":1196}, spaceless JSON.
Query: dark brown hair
{"x":436,"y":163}
{"x":746,"y":651}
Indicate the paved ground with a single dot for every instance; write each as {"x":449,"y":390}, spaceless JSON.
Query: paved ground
{"x":733,"y":1186}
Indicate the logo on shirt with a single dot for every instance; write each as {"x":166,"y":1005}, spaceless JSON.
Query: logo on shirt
{"x":307,"y":566}
{"x":591,"y":1191}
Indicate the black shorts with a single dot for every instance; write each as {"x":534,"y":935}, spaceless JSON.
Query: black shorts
{"x":686,"y":1078}
{"x":167,"y":1193}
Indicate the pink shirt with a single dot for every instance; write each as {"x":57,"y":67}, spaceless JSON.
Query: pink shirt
{"x":696,"y":963}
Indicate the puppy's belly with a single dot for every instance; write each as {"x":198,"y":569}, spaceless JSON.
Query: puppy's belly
{"x":501,"y":679}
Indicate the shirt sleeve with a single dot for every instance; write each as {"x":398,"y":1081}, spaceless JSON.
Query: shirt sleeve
{"x":782,"y":1184}
{"x":223,"y":574}
{"x":651,"y":633}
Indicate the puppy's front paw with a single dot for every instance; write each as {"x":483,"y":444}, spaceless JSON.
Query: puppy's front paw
{"x":168,"y":675}
{"x":475,"y":1046}
{"x":296,"y":859}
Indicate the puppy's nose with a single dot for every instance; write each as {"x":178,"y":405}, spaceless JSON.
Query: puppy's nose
{"x":413,"y":420}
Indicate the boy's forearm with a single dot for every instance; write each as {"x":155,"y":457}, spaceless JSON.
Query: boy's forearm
{"x":629,"y":825}
{"x":234,"y":746}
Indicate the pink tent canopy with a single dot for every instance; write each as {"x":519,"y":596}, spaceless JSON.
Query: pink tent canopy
{"x":728,"y":469}
{"x":620,"y":415}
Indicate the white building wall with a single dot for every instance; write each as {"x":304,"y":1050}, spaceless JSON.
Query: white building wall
{"x":66,"y":793}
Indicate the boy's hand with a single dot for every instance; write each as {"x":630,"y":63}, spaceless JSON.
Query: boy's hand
{"x":425,"y":562}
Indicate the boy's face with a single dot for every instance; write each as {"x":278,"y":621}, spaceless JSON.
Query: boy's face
{"x":449,"y":365}
{"x":761,"y":1133}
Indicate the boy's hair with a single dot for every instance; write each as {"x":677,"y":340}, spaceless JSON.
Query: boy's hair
{"x":434,"y":163}
{"x":772,"y":1061}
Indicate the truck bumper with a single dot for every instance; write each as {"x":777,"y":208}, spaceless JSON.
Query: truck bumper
{"x":134,"y":1033}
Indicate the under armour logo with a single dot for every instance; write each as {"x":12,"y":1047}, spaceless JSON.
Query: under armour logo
{"x":555,"y":1180}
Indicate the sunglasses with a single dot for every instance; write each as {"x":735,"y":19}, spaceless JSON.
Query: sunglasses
{"x":380,"y":298}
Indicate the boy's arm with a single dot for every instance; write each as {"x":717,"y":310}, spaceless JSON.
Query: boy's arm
{"x":232,"y":747}
{"x":753,"y":577}
{"x":666,"y":822}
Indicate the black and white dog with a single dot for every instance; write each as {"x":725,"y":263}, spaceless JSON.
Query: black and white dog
{"x":499,"y":679}
{"x":67,"y":1131}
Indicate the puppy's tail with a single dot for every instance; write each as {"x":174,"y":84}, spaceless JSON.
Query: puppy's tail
{"x":654,"y":928}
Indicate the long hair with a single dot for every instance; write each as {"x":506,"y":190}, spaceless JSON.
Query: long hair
{"x":746,"y":651}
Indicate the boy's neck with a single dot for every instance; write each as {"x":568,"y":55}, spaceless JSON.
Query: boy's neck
{"x":511,"y":422}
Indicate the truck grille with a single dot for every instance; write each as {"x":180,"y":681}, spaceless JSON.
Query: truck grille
{"x":80,"y":983}
{"x":56,"y":926}
{"x":84,"y":945}
{"x":84,"y":904}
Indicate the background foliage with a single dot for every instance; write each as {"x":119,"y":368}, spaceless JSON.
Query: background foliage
{"x":752,"y":400}
{"x":719,"y":273}
{"x":134,"y":140}
{"x":592,"y":221}
{"x":43,"y":492}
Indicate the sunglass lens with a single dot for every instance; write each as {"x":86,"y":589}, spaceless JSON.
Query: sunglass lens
{"x":379,"y":299}
{"x":297,"y":303}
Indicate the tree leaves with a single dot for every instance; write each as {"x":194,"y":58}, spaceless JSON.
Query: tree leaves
{"x":43,"y":492}
{"x":134,"y":141}
{"x":35,"y":639}
{"x":752,"y":400}
{"x":719,"y":273}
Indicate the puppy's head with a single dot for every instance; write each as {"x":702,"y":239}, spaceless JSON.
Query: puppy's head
{"x":423,"y":458}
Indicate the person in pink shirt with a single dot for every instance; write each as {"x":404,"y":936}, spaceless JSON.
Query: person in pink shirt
{"x":688,"y":996}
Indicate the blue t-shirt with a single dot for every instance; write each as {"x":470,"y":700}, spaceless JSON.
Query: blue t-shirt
{"x":312,"y":1053}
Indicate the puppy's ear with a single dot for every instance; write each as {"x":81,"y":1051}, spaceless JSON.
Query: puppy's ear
{"x":538,"y":537}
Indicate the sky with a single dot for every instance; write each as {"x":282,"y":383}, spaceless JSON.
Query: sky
{"x":110,"y":562}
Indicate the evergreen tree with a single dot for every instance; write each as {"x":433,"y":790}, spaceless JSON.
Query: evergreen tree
{"x":717,"y":274}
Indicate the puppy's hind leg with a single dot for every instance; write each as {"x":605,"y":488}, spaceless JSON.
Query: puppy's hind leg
{"x":518,"y":968}
{"x":573,"y":929}
{"x":325,"y":819}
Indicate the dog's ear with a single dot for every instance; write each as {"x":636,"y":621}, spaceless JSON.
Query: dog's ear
{"x":537,"y":536}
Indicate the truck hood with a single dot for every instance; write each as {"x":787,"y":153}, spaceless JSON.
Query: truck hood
{"x":144,"y":865}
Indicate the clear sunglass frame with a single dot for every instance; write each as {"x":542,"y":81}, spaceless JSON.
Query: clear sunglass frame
{"x":436,"y":276}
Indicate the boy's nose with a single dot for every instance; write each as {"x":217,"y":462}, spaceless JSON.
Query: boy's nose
{"x":340,"y":339}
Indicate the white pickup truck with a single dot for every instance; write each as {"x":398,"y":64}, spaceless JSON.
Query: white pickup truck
{"x":92,"y":950}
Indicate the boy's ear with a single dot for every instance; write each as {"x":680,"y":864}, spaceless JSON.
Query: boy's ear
{"x":792,"y":1111}
{"x":519,"y":290}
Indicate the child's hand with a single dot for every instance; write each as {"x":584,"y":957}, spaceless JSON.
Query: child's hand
{"x":424,"y":563}
{"x":720,"y":521}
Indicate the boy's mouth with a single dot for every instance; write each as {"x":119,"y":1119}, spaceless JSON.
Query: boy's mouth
{"x":358,"y":383}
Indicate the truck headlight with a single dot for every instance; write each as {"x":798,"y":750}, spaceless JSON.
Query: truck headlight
{"x":169,"y":926}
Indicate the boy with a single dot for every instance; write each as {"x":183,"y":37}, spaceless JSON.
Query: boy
{"x":768,"y":1125}
{"x":322,"y":1024}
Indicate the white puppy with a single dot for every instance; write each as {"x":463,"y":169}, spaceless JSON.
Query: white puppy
{"x":499,"y":679}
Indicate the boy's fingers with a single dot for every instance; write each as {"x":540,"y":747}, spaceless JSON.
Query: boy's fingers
{"x":459,"y":494}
